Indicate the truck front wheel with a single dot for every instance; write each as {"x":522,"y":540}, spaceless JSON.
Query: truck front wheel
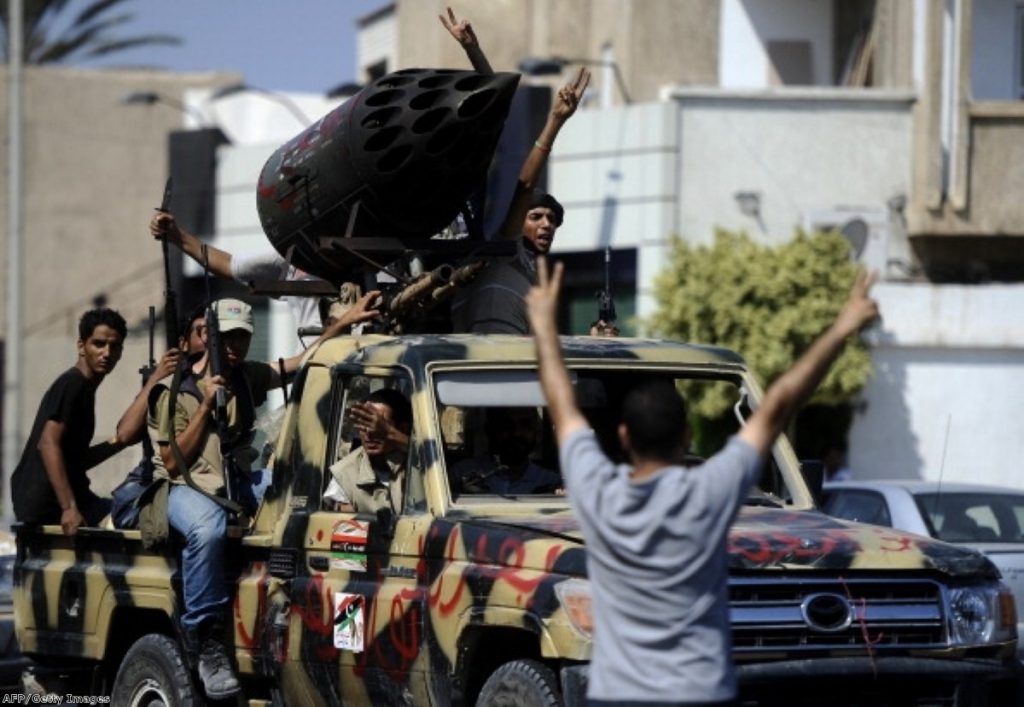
{"x":153,"y":674}
{"x":521,"y":683}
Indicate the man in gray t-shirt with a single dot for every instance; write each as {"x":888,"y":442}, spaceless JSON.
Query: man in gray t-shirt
{"x":655,"y":531}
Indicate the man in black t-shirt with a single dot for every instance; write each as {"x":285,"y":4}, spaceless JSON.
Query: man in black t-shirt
{"x":49,"y":485}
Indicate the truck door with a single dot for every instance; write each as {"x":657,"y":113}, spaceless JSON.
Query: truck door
{"x":361,"y":592}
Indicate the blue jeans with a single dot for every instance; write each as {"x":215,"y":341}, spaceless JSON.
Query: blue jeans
{"x":203,"y":522}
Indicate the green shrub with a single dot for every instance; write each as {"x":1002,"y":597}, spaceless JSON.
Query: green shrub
{"x":766,"y":302}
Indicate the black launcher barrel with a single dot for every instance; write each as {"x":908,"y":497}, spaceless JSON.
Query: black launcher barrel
{"x":408,"y":149}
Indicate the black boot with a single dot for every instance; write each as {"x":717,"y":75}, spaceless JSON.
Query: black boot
{"x":214,"y":668}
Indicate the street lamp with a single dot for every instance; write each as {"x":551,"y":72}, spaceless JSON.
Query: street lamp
{"x":148,"y":98}
{"x":280,"y":98}
{"x":12,"y":373}
{"x":553,"y":65}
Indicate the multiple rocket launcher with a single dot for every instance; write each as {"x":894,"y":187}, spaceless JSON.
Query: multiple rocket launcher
{"x":380,"y":175}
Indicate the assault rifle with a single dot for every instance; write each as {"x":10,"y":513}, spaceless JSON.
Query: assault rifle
{"x":170,"y":298}
{"x":605,"y":303}
{"x":147,"y":371}
{"x":213,"y":356}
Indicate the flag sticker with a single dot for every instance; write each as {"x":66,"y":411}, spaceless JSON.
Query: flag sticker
{"x":348,"y":545}
{"x":348,"y":622}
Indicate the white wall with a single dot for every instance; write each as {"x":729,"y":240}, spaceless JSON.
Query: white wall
{"x":748,"y":25}
{"x":615,"y":172}
{"x":945,"y":357}
{"x":801,"y":150}
{"x":993,"y":50}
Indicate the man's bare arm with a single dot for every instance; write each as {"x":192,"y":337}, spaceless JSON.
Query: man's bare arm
{"x":56,"y":471}
{"x":791,"y":390}
{"x":542,"y":307}
{"x":132,"y":424}
{"x":359,"y":312}
{"x":190,"y":439}
{"x":565,"y":105}
{"x":367,"y":418}
{"x":163,"y":225}
{"x":466,"y":37}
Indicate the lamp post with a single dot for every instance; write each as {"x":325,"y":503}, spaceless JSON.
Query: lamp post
{"x":12,"y":336}
{"x":554,"y":65}
{"x":280,"y":98}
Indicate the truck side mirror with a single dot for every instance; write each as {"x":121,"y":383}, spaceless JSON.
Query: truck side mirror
{"x":813,"y":471}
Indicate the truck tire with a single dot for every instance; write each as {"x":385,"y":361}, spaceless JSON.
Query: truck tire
{"x":521,"y":683}
{"x":154,"y":674}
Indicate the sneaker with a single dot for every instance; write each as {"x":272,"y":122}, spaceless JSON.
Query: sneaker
{"x":215,"y":671}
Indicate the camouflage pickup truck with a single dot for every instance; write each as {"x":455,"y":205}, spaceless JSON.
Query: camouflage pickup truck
{"x":466,"y":596}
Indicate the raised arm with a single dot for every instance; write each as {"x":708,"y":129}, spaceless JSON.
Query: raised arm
{"x":565,"y":104}
{"x":367,"y":418}
{"x":359,"y":312}
{"x":133,"y":422}
{"x":542,"y":307}
{"x":794,"y":387}
{"x":466,"y":37}
{"x":163,"y":225}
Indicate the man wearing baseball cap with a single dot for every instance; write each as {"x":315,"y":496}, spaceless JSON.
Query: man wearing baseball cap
{"x":198,"y":433}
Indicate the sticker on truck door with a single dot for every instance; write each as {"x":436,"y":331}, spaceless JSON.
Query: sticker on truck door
{"x":348,"y":545}
{"x":348,"y":622}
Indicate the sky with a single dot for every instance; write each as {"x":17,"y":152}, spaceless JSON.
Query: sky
{"x":280,"y":45}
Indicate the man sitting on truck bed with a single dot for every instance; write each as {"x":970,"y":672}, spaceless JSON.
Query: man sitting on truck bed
{"x":655,"y":531}
{"x":49,"y":485}
{"x":191,"y":510}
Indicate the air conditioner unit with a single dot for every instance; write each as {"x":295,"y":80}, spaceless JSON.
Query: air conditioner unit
{"x":867,"y":231}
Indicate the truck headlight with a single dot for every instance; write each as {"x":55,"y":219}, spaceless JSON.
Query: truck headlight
{"x":574,"y":596}
{"x":981,"y":614}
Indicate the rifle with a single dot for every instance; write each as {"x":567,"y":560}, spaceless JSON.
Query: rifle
{"x":605,"y":303}
{"x":170,"y":298}
{"x":213,"y":346}
{"x":147,"y":370}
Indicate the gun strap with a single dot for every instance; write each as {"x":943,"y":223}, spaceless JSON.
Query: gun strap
{"x":179,"y":459}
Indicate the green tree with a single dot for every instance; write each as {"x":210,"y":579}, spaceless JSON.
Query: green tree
{"x":767,"y":303}
{"x":88,"y":34}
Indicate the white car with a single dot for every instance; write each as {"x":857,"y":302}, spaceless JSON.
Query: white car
{"x":986,"y":518}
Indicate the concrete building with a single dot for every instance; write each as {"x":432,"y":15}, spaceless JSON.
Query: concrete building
{"x":900,"y":121}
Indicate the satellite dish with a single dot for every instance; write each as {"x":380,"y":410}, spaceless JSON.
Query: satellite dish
{"x":855,"y":231}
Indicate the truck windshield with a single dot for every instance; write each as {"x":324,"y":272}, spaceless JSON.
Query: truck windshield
{"x":498,"y":440}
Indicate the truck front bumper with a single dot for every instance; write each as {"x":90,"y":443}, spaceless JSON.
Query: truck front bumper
{"x":860,"y":682}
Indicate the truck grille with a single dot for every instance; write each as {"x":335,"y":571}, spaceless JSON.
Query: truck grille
{"x":797,"y":614}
